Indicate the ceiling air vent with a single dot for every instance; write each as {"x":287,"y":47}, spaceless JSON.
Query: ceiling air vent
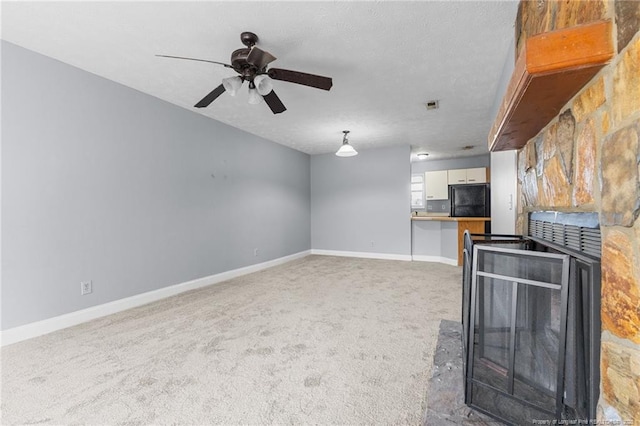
{"x":431,"y":104}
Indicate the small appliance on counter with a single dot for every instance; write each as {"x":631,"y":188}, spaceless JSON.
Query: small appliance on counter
{"x":470,"y":200}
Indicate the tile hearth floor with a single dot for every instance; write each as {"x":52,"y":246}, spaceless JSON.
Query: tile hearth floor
{"x":445,"y":400}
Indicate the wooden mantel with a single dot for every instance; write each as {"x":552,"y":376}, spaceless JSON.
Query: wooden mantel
{"x":551,"y":68}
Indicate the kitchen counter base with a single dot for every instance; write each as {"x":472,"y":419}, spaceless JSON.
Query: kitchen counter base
{"x":435,"y":237}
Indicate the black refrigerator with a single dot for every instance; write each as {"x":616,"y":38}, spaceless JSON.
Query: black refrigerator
{"x":471,"y":200}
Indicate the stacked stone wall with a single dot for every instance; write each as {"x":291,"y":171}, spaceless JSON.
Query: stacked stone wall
{"x":588,"y":159}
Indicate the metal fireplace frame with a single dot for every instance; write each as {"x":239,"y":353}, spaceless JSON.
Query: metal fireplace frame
{"x":515,"y":282}
{"x":592,"y":328}
{"x":469,"y":241}
{"x":567,"y":234}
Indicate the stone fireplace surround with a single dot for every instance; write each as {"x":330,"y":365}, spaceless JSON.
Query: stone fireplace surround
{"x":587,"y":160}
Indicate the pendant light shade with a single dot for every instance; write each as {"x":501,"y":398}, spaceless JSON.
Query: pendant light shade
{"x":232,"y":84}
{"x":264,"y":84}
{"x":346,"y":150}
{"x":254,"y":96}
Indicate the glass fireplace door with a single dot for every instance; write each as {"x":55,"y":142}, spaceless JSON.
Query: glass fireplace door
{"x":516,"y":350}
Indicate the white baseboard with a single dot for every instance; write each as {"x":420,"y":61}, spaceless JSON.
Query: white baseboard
{"x":439,"y":259}
{"x":362,"y":254}
{"x":38,"y":328}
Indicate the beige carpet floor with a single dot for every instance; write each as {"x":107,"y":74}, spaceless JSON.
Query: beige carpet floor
{"x":320,"y":340}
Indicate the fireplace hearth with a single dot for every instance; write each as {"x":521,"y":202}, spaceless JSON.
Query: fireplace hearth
{"x":531,"y":320}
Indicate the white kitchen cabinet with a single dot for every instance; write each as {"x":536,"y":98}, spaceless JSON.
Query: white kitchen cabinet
{"x":477,"y":175}
{"x":504,"y":189}
{"x":462,"y":176}
{"x":456,"y":177}
{"x":436,"y":185}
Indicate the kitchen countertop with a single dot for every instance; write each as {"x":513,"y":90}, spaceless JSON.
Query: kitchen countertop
{"x":452,"y":219}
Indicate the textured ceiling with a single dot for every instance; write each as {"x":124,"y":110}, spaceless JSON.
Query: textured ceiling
{"x":386,"y":60}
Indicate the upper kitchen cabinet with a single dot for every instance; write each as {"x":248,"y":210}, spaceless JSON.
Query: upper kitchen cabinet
{"x":436,"y":185}
{"x":477,"y":175}
{"x":457,"y":176}
{"x":462,"y":176}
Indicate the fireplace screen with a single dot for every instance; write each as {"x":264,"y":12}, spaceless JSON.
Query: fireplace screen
{"x":517,"y":333}
{"x":496,"y":240}
{"x":531,"y":320}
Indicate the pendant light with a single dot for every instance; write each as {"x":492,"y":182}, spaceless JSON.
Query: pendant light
{"x":346,"y":150}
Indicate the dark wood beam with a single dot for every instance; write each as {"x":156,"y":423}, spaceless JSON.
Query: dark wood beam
{"x":551,"y":68}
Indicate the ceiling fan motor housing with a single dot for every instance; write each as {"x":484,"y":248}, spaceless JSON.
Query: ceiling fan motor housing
{"x":248,"y":39}
{"x":240,"y":64}
{"x":239,"y":56}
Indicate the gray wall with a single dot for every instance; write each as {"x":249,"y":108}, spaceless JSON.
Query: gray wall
{"x":421,"y":166}
{"x":505,"y":76}
{"x":104,"y":183}
{"x":361,"y":199}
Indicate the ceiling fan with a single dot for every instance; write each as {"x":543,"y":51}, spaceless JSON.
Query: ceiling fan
{"x":251,"y":63}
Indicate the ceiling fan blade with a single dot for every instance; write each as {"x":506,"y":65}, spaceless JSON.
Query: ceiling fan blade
{"x":210,"y":97}
{"x":259,"y":57}
{"x":303,"y":78}
{"x":196,"y":59}
{"x":274,"y":102}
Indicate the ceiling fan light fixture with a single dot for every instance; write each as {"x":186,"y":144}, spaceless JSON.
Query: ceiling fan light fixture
{"x":251,"y":63}
{"x":254,"y":97}
{"x":232,"y":84}
{"x":346,"y":150}
{"x":263,"y":83}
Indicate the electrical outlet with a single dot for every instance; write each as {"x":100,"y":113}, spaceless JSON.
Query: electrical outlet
{"x":86,"y":287}
{"x":255,"y":252}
